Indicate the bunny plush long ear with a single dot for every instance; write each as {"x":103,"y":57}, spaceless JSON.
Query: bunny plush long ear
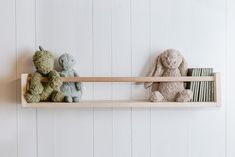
{"x":183,"y":67}
{"x":156,"y":70}
{"x":159,"y":67}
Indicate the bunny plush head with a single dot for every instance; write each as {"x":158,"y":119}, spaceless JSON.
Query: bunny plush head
{"x":171,"y":59}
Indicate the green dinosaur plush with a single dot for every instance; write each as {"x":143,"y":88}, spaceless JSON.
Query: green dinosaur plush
{"x":47,"y":91}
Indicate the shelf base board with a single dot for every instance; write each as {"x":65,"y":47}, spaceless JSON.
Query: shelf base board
{"x":120,"y":104}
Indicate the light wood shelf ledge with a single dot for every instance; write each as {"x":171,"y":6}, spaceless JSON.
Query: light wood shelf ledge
{"x":25,"y":79}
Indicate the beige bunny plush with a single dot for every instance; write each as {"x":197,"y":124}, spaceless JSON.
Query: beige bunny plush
{"x":170,"y":63}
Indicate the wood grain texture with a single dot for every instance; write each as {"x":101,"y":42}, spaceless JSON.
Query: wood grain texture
{"x":120,"y":104}
{"x":134,"y":79}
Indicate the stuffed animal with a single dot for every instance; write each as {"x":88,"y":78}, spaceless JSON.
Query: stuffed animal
{"x":170,"y":63}
{"x":71,"y":90}
{"x":46,"y":91}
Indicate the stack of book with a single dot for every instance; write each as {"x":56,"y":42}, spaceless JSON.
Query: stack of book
{"x":202,"y":91}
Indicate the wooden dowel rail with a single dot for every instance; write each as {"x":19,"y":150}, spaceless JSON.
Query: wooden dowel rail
{"x":133,"y":79}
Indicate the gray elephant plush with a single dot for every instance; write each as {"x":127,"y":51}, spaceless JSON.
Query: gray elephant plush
{"x":71,"y":90}
{"x":170,"y":63}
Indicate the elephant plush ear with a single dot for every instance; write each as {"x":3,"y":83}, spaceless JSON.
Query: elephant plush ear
{"x":156,"y":70}
{"x":183,"y":67}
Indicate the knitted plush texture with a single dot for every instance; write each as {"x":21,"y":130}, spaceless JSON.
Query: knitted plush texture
{"x":71,"y":90}
{"x":170,"y":63}
{"x":49,"y":91}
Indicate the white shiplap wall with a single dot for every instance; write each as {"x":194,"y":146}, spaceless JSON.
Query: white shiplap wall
{"x":116,"y":38}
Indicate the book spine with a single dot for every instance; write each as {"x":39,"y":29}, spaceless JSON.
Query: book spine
{"x":198,"y":85}
{"x":212,"y":88}
{"x":192,"y":84}
{"x":201,"y":92}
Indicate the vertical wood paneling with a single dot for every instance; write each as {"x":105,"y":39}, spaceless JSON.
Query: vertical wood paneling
{"x":193,"y":30}
{"x":205,"y":140}
{"x":121,"y":47}
{"x":74,"y":133}
{"x":207,"y":127}
{"x":25,"y":23}
{"x":70,"y":131}
{"x":74,"y":127}
{"x":102,"y":53}
{"x":140,"y":65}
{"x":169,"y":133}
{"x":114,"y":38}
{"x":121,"y":66}
{"x":230,"y":125}
{"x":45,"y":35}
{"x":169,"y":128}
{"x":45,"y":133}
{"x":102,"y":46}
{"x":141,"y":133}
{"x":8,"y":108}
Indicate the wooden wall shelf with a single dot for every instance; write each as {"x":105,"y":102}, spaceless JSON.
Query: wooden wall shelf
{"x":25,"y":79}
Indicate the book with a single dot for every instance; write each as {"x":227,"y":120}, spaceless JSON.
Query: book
{"x":203,"y":91}
{"x":194,"y":85}
{"x":205,"y":86}
{"x":189,"y":73}
{"x":206,"y":90}
{"x":197,"y":85}
{"x":209,"y":86}
{"x":211,"y":95}
{"x":191,"y":85}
